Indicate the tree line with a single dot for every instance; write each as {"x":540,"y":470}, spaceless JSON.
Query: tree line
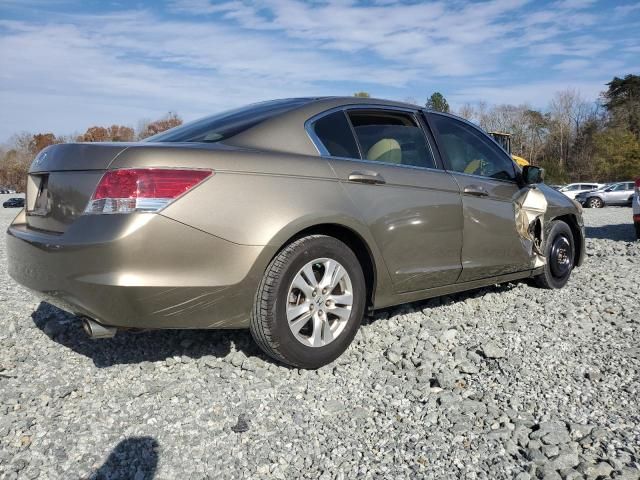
{"x":574,"y":138}
{"x":23,"y":147}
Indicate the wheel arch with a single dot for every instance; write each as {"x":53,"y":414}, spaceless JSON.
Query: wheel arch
{"x":576,"y":231}
{"x":355,"y":241}
{"x":599,"y":197}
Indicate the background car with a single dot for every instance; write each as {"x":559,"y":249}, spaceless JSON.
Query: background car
{"x":574,"y":189}
{"x":14,"y":203}
{"x":613,"y":194}
{"x":636,"y":208}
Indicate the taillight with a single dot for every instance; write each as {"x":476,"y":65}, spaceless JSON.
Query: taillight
{"x":142,"y":189}
{"x":638,"y":186}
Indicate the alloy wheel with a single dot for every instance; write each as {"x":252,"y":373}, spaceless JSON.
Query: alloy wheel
{"x":319,"y":302}
{"x":595,"y":202}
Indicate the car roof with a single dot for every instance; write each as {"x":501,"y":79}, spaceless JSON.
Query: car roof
{"x":286,"y":132}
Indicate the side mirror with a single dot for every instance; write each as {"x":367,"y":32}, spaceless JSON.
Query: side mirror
{"x":532,"y":175}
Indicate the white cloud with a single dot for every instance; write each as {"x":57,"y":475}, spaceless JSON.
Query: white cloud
{"x":65,"y":71}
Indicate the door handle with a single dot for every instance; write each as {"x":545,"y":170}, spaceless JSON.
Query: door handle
{"x":370,"y":178}
{"x":476,"y":191}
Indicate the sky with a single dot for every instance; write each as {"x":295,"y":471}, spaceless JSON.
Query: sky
{"x":67,"y":65}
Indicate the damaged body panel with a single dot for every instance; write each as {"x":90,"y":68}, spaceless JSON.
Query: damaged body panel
{"x":530,"y":207}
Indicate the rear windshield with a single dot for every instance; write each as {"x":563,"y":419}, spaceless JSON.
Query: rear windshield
{"x":227,"y":124}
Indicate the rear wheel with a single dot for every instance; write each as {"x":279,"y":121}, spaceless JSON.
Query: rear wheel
{"x":310,"y":302}
{"x":637,"y":224}
{"x":595,"y":202}
{"x":559,"y":251}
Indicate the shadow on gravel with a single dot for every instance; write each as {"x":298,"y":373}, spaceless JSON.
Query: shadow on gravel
{"x":135,"y":457}
{"x":622,"y":232}
{"x":148,"y":346}
{"x":158,"y":345}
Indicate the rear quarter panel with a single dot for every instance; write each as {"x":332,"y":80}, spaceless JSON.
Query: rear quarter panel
{"x":258,"y":198}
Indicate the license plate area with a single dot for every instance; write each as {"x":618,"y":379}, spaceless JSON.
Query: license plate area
{"x":38,"y":195}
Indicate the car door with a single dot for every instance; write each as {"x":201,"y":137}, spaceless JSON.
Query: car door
{"x":630,"y":191}
{"x":617,"y":194}
{"x":410,"y":204}
{"x":488,"y":182}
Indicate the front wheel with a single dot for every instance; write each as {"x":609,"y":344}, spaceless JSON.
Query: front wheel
{"x":559,"y":251}
{"x":310,"y":302}
{"x":595,"y":202}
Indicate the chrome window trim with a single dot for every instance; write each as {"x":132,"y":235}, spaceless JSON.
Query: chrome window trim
{"x":373,"y":162}
{"x":490,"y":179}
{"x":323,"y":152}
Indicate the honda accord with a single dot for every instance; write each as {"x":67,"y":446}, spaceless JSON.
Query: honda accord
{"x":292,"y":218}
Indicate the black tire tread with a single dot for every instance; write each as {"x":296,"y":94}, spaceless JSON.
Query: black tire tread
{"x":266,"y":295}
{"x":263,"y":302}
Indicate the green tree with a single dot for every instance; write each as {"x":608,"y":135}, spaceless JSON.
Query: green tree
{"x":622,"y":101}
{"x":437,"y":103}
{"x":362,"y":94}
{"x":617,"y":154}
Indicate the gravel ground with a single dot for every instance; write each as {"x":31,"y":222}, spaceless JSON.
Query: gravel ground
{"x":502,"y":382}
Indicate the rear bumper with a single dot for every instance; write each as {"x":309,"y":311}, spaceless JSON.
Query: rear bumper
{"x":138,"y":271}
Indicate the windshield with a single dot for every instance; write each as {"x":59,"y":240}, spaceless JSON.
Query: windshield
{"x":227,"y":124}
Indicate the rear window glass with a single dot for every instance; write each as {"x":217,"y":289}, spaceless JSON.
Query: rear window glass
{"x":227,"y":124}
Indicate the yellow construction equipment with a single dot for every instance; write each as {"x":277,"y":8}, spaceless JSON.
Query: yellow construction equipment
{"x":504,"y":140}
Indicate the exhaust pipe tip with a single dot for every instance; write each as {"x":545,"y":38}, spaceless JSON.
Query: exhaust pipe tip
{"x":95,"y":330}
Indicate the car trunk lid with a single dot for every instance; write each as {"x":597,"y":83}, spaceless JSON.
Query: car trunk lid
{"x":62,"y":179}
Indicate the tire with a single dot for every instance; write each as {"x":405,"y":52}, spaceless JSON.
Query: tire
{"x":595,"y":202}
{"x":278,"y":300}
{"x":559,"y":251}
{"x":637,"y":224}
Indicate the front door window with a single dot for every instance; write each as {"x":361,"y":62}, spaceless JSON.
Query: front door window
{"x":469,"y":151}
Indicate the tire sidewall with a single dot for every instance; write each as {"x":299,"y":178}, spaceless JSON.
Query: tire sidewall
{"x":295,"y":352}
{"x":558,"y":228}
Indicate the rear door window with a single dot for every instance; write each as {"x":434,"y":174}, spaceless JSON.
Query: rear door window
{"x":334,"y":132}
{"x":389,"y":136}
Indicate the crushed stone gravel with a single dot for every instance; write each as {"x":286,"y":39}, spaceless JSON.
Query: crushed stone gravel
{"x":508,"y":381}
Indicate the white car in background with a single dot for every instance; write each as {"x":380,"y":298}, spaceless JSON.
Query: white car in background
{"x":574,"y":189}
{"x":636,"y":208}
{"x":620,"y":193}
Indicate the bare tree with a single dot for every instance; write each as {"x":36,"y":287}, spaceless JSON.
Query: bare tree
{"x":468,"y":112}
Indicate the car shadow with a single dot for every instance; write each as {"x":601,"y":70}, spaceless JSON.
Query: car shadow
{"x":134,"y":457}
{"x":620,"y":232}
{"x":129,"y":347}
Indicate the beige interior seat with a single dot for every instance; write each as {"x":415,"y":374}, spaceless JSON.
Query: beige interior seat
{"x":385,"y":150}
